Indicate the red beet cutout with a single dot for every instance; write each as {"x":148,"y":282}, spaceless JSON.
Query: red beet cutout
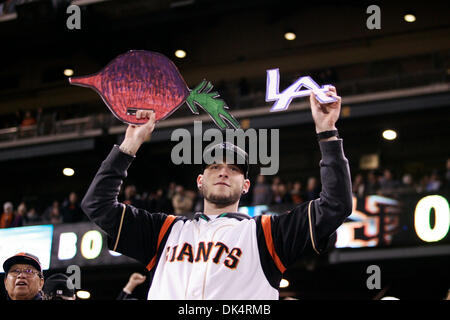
{"x":145,"y":80}
{"x":138,"y":80}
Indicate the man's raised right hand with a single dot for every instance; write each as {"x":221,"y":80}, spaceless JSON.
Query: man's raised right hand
{"x":135,"y":136}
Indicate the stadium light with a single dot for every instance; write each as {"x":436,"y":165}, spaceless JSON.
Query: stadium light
{"x":68,"y":172}
{"x":389,"y":134}
{"x":180,"y":53}
{"x":68,"y":72}
{"x":290,"y":35}
{"x":409,"y":17}
{"x":284,"y":283}
{"x":82,"y":294}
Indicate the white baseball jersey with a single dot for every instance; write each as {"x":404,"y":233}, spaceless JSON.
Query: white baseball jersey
{"x":211,"y":259}
{"x":231,"y":256}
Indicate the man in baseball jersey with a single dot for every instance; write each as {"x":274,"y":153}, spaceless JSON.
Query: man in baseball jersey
{"x":220,"y":253}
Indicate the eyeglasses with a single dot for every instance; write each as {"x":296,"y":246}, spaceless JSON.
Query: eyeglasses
{"x":28,"y":273}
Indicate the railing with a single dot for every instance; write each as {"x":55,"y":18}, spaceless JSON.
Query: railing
{"x":393,"y":82}
{"x":73,"y":126}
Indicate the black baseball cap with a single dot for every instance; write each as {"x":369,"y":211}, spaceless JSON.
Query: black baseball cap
{"x":22,"y":258}
{"x":227,"y":150}
{"x":56,"y":286}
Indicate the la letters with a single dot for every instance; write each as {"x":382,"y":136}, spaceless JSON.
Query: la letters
{"x":284,"y":99}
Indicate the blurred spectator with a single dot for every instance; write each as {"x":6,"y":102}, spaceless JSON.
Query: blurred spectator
{"x":150,"y":201}
{"x":372,"y":185}
{"x":55,"y":216}
{"x":261,"y":191}
{"x":170,"y":193}
{"x":130,"y":196}
{"x":135,"y":280}
{"x":171,"y":190}
{"x":274,"y":186}
{"x":422,"y":184}
{"x":199,"y":204}
{"x":71,"y":211}
{"x":358,"y":187}
{"x":182,"y":200}
{"x":434,"y":183}
{"x":191,"y":195}
{"x":156,"y":201}
{"x":407,"y":185}
{"x":280,"y":193}
{"x":289,"y":186}
{"x":28,"y":120}
{"x":388,"y":185}
{"x":45,"y":122}
{"x":7,"y":215}
{"x":312,"y":189}
{"x":52,"y":213}
{"x":297,"y":195}
{"x":32,"y":217}
{"x":20,"y":215}
{"x":284,"y":193}
{"x":56,"y":288}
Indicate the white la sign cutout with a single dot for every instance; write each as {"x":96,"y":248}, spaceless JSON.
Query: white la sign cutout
{"x":284,"y":99}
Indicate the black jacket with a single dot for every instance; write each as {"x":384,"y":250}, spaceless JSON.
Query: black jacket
{"x":309,"y":225}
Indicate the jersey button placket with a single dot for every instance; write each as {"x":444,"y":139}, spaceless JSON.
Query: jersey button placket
{"x":198,"y":268}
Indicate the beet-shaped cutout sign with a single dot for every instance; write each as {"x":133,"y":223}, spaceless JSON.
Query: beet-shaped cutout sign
{"x":145,"y":80}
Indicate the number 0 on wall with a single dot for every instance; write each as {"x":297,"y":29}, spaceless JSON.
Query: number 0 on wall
{"x":422,"y":218}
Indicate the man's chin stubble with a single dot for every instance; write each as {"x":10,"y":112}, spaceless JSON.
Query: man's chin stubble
{"x":221,"y":201}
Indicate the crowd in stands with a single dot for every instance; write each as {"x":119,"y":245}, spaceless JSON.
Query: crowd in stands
{"x":42,"y":121}
{"x":67,"y":212}
{"x":181,"y":201}
{"x":386,"y":184}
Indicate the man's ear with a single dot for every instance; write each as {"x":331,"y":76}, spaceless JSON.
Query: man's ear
{"x":246,"y":185}
{"x":41,"y":284}
{"x":199,"y":181}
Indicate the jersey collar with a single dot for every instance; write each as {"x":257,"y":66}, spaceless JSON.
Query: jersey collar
{"x":235,"y":215}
